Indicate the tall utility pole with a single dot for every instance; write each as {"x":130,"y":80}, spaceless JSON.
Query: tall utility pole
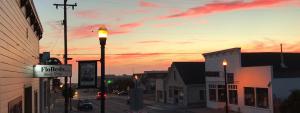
{"x":65,"y":47}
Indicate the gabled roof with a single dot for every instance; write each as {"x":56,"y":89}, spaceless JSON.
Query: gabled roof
{"x":191,"y":72}
{"x":153,"y":75}
{"x":291,"y":61}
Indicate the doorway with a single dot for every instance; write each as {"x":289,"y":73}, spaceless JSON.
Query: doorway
{"x":28,"y":99}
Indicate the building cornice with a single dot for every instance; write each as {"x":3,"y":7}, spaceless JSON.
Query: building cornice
{"x":222,"y":51}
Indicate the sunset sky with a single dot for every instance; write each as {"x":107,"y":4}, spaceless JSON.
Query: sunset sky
{"x":150,"y":34}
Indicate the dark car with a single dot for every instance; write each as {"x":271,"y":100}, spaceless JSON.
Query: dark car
{"x":98,"y":96}
{"x":85,"y":105}
{"x":123,"y":93}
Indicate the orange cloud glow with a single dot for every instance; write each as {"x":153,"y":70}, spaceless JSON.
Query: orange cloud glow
{"x":149,"y":42}
{"x":271,"y":46}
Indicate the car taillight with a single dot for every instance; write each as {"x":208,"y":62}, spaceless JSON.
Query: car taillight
{"x":99,"y":94}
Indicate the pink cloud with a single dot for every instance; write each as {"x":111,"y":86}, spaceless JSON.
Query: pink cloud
{"x":149,"y":42}
{"x":167,"y":25}
{"x":88,"y":31}
{"x":203,"y":21}
{"x":217,"y":7}
{"x":143,"y":3}
{"x":130,"y":25}
{"x":90,"y":14}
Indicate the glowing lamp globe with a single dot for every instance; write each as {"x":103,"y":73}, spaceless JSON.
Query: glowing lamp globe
{"x":102,"y":32}
{"x":225,"y":62}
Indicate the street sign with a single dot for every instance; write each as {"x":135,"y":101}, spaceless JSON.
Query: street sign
{"x":44,"y":71}
{"x":87,"y":74}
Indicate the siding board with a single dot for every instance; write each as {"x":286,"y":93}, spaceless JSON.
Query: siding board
{"x":13,"y":49}
{"x":19,"y":51}
{"x":14,"y":25}
{"x":6,"y":34}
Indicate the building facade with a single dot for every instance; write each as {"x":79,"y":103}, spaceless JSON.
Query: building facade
{"x":148,"y":80}
{"x":20,"y":32}
{"x":257,"y":81}
{"x":160,"y":87}
{"x":185,"y":84}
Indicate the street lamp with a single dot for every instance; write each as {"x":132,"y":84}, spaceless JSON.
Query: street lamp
{"x":102,"y":34}
{"x":136,"y":80}
{"x":225,"y":63}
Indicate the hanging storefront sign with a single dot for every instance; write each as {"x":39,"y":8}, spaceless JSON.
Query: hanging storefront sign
{"x":41,"y":71}
{"x":87,"y":74}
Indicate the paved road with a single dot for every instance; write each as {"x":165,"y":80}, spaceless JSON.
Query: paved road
{"x":113,"y":105}
{"x":116,"y":104}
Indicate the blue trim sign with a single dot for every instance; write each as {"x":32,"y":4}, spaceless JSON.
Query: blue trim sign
{"x":44,"y":71}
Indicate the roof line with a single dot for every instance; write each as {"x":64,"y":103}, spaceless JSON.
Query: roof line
{"x":222,"y":51}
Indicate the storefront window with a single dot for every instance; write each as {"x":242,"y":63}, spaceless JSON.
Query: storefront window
{"x":212,"y":94}
{"x":249,"y":96}
{"x":15,"y":106}
{"x":221,"y":93}
{"x":262,"y":97}
{"x":233,"y":98}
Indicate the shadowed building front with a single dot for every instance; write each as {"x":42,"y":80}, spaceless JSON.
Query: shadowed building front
{"x":185,"y":84}
{"x":20,"y":32}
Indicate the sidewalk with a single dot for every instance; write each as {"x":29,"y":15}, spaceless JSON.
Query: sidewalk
{"x":59,"y":103}
{"x":187,"y":109}
{"x":207,"y":110}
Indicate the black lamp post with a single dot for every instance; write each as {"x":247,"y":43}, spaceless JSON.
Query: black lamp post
{"x":102,"y":34}
{"x":225,"y":77}
{"x":136,"y":81}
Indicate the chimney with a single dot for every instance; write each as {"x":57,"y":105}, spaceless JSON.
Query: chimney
{"x":282,"y":59}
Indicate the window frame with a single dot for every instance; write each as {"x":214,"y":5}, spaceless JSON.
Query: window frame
{"x":220,"y":97}
{"x":214,"y":96}
{"x":230,"y":97}
{"x":259,"y":99}
{"x":246,"y":99}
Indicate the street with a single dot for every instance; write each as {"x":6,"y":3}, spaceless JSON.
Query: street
{"x":116,"y":104}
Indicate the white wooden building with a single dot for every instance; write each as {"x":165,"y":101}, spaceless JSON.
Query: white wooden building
{"x":258,"y":80}
{"x":185,"y":84}
{"x":20,"y":32}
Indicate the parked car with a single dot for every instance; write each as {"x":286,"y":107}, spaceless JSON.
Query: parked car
{"x":123,"y":93}
{"x":98,"y":96}
{"x":115,"y":92}
{"x":84,"y":105}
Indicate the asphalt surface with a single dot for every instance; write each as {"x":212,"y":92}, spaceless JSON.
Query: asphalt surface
{"x":115,"y":104}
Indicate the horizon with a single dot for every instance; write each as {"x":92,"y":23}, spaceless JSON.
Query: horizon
{"x":151,"y":34}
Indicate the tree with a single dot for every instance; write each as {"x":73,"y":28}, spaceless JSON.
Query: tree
{"x":292,"y":103}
